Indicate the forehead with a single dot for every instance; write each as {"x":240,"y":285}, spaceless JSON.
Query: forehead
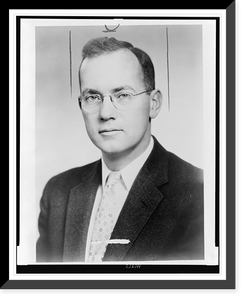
{"x":111,"y":69}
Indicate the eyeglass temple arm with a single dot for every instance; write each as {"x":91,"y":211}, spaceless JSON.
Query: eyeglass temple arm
{"x":143,"y":92}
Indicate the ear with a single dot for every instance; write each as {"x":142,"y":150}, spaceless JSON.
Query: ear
{"x":79,"y":102}
{"x":155,"y":103}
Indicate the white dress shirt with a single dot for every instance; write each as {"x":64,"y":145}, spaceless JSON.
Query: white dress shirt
{"x":128,"y":175}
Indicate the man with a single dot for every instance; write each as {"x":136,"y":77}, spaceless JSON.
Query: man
{"x":139,"y":202}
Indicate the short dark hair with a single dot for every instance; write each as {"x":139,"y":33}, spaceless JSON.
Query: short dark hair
{"x":98,"y":46}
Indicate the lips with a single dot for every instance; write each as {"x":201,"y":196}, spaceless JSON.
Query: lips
{"x":109,"y":130}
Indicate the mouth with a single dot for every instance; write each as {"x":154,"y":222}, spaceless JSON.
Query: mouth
{"x":107,"y":132}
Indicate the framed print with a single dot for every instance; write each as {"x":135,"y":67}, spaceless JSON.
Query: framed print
{"x":140,"y":97}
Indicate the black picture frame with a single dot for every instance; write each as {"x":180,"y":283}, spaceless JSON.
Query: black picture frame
{"x":231,"y":246}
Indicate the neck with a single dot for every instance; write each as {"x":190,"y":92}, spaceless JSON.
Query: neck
{"x":118,"y":161}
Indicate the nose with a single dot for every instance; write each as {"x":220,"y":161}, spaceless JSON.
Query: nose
{"x":107,"y":110}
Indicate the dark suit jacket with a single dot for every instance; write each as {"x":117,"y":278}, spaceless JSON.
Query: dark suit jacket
{"x":162,"y":216}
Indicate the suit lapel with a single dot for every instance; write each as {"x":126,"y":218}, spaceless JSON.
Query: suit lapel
{"x":141,"y":202}
{"x":80,"y":204}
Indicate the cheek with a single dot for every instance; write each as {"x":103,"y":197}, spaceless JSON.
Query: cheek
{"x":90,"y":125}
{"x":138,"y":121}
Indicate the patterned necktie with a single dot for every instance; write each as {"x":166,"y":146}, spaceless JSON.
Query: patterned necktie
{"x":105,"y":219}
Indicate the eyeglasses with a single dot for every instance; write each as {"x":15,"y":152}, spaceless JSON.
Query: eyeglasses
{"x":91,"y":103}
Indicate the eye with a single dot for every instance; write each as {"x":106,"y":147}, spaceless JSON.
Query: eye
{"x":123,"y":96}
{"x":92,"y":98}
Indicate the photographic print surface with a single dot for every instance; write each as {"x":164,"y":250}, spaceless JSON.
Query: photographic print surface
{"x":183,"y":55}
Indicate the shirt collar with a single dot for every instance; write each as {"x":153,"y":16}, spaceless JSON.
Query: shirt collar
{"x":129,"y":173}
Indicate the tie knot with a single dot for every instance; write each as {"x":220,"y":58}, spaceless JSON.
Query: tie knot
{"x":113,"y":177}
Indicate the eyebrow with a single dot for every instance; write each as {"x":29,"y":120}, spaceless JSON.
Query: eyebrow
{"x":125,"y":87}
{"x":114,"y":90}
{"x":90,"y":91}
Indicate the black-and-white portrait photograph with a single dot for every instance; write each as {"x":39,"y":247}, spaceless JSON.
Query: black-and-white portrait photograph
{"x":139,"y":201}
{"x":119,"y":124}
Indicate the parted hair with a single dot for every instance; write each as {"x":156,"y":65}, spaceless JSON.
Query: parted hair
{"x":102,"y":45}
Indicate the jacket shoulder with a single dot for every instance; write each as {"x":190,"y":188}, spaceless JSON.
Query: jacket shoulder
{"x":184,"y":170}
{"x":70,"y":178}
{"x":175,"y":168}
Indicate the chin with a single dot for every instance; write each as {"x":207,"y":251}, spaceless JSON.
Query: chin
{"x":112,"y":150}
{"x":116,"y":147}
